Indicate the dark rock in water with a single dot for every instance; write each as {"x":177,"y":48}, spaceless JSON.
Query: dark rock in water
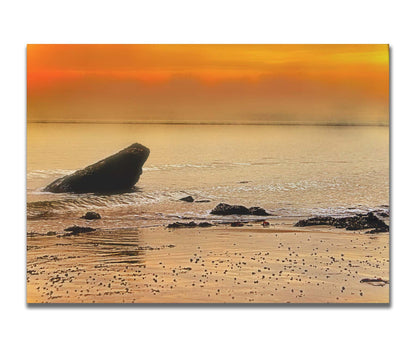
{"x":315,"y":221}
{"x":370,"y":220}
{"x":187,"y":199}
{"x":379,"y":230}
{"x":205,"y":225}
{"x":237,"y":224}
{"x":358,"y":222}
{"x":258,"y":211}
{"x":91,"y":215}
{"x":383,"y":214}
{"x":183,"y":225}
{"x":190,"y":225}
{"x":118,"y":172}
{"x":75,"y":230}
{"x":225,"y":209}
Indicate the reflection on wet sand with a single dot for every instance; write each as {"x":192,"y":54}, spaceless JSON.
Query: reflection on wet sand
{"x":60,"y":268}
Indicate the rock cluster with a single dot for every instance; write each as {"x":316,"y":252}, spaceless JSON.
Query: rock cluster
{"x":75,"y":230}
{"x":378,"y":230}
{"x":358,"y":222}
{"x":190,"y":225}
{"x":225,"y":210}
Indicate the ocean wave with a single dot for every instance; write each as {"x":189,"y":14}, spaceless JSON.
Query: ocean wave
{"x":279,"y":187}
{"x":215,"y":164}
{"x":168,"y":167}
{"x":36,"y":209}
{"x":340,"y":211}
{"x":41,"y":174}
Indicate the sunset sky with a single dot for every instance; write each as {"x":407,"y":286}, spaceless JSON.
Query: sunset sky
{"x":208,"y":83}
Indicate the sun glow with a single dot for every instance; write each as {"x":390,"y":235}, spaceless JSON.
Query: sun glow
{"x":329,"y":83}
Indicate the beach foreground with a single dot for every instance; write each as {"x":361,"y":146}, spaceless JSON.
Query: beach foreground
{"x":222,"y":264}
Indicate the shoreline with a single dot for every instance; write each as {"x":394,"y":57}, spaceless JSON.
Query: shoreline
{"x":212,"y":123}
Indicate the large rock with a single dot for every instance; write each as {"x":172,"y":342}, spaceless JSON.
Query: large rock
{"x":118,"y":172}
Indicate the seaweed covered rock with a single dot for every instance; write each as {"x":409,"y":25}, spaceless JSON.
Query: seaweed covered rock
{"x":225,"y":210}
{"x":91,"y":215}
{"x":237,"y":224}
{"x":190,"y":225}
{"x":358,"y":222}
{"x":258,"y":211}
{"x":118,"y":172}
{"x":378,"y":230}
{"x":370,"y":220}
{"x":75,"y":230}
{"x":315,"y":221}
{"x":182,"y":225}
{"x":205,"y":225}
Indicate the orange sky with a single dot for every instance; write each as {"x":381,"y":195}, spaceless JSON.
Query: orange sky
{"x":219,"y":83}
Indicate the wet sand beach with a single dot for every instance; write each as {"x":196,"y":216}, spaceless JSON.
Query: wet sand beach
{"x":222,"y":264}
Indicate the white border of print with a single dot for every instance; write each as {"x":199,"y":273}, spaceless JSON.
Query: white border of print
{"x":205,"y":22}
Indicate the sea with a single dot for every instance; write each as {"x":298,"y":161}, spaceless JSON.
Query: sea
{"x":292,"y":171}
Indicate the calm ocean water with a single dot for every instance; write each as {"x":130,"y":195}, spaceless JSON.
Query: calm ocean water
{"x":292,"y":171}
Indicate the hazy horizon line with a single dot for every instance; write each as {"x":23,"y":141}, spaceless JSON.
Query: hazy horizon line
{"x":316,"y":123}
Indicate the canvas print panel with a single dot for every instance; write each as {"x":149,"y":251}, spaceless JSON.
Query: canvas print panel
{"x":208,"y":174}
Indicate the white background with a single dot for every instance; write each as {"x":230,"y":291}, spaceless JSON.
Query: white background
{"x":23,"y":22}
